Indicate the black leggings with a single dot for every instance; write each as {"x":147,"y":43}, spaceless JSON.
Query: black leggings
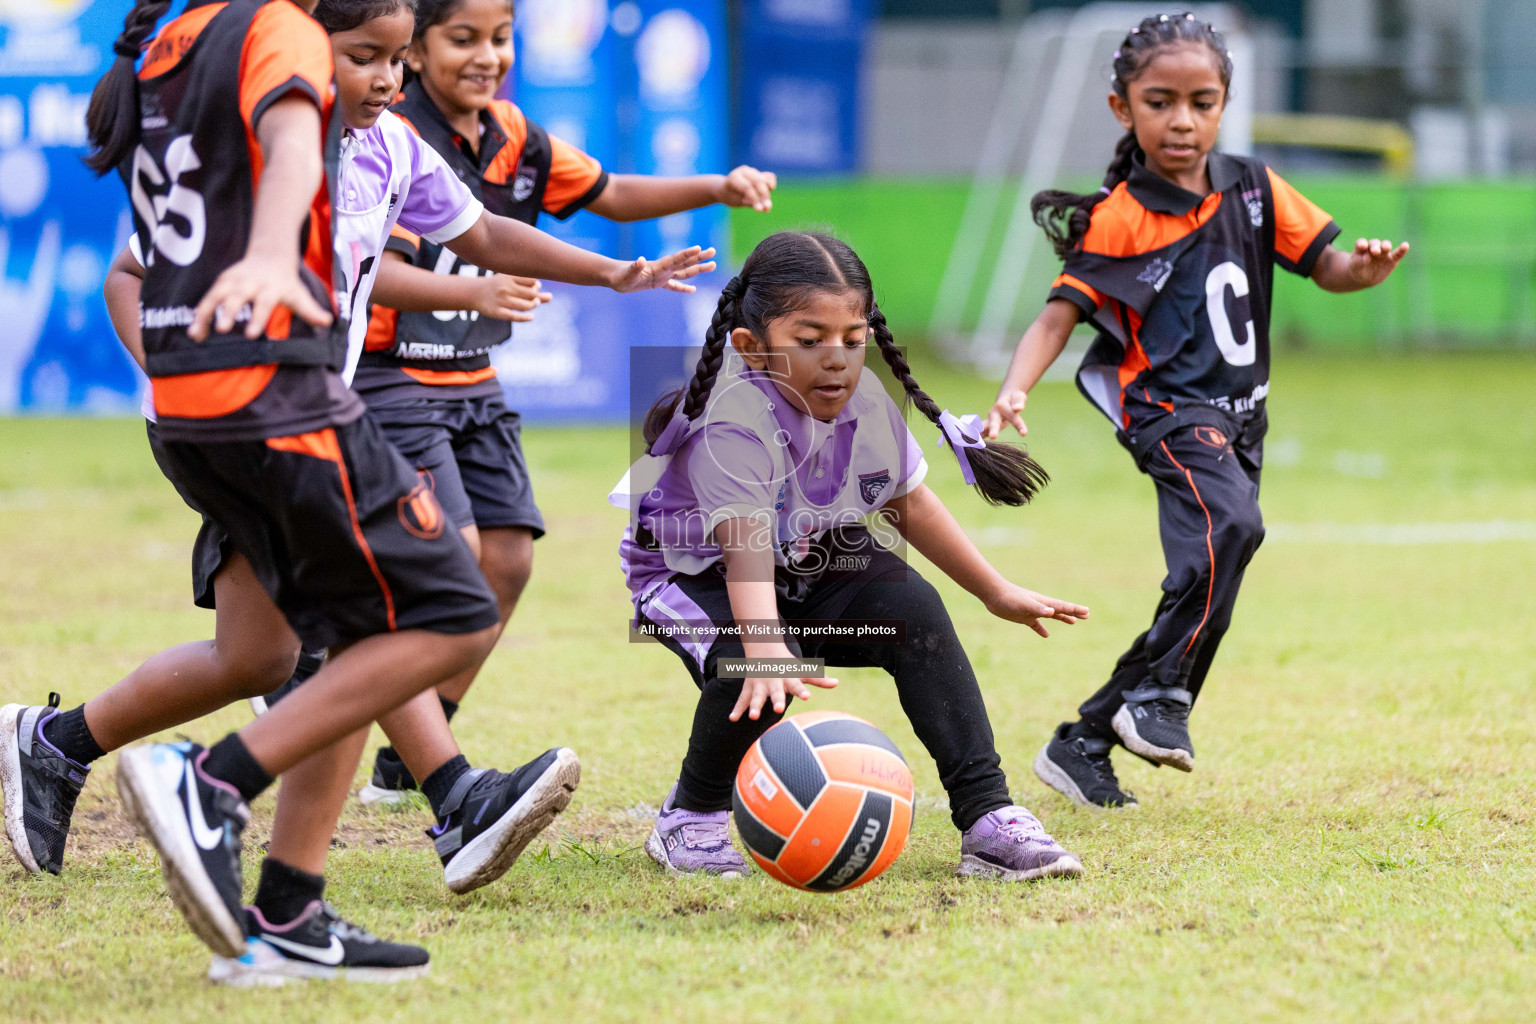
{"x":934,"y":681}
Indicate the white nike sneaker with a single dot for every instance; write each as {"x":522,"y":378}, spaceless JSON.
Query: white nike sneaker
{"x":194,"y":821}
{"x":319,"y":943}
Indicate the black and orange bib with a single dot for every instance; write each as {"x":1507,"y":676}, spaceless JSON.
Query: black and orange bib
{"x":1179,"y":286}
{"x":192,"y":184}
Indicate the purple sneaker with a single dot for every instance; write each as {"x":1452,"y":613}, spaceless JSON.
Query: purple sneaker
{"x":690,"y":843}
{"x":1010,"y":844}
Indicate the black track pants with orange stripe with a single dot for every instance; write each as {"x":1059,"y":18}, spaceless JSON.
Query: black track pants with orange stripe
{"x":1208,"y":515}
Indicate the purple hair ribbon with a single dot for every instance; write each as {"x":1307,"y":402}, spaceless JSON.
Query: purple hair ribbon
{"x":673,"y":435}
{"x":956,"y":429}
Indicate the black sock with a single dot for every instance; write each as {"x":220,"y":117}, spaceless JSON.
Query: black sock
{"x":68,"y":731}
{"x":283,"y":892}
{"x":450,"y":707}
{"x":229,"y":761}
{"x":439,"y":784}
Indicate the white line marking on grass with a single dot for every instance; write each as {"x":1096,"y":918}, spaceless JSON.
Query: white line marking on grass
{"x":1402,"y":534}
{"x":1386,"y":534}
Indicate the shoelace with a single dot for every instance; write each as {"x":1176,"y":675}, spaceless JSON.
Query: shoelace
{"x":1172,"y":710}
{"x":705,"y":836}
{"x":343,"y":928}
{"x":1026,"y":829}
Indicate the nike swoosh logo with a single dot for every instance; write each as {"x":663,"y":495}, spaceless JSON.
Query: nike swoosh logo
{"x":205,"y":837}
{"x":331,"y":956}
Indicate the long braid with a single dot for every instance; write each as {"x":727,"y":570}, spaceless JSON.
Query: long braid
{"x":1065,"y":216}
{"x":696,"y":395}
{"x":112,"y":119}
{"x":1005,"y":475}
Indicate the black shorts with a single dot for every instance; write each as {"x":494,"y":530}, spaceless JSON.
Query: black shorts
{"x":211,"y":550}
{"x":472,"y":452}
{"x":340,"y":530}
{"x":683,"y":610}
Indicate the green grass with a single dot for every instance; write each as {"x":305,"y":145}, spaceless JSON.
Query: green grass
{"x":1356,"y":843}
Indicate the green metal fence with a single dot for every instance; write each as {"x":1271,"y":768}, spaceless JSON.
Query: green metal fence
{"x":1470,"y":281}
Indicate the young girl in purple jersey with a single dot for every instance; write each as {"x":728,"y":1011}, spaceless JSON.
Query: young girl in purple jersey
{"x":426,"y":374}
{"x":1173,"y":260}
{"x":747,"y":512}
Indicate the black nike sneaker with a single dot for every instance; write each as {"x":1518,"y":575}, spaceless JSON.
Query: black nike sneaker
{"x":1154,"y":724}
{"x":319,"y":943}
{"x":195,"y":823}
{"x":40,"y":786}
{"x":392,"y":781}
{"x":1079,"y":768}
{"x":489,"y":817}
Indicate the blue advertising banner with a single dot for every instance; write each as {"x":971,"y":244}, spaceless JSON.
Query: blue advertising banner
{"x":800,"y":92}
{"x":59,"y":225}
{"x":563,"y":79}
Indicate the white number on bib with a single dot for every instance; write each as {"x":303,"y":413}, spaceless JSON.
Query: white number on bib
{"x":445,"y":262}
{"x":181,"y":249}
{"x":1226,"y":275}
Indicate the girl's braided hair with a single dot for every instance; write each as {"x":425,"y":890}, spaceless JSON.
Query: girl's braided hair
{"x":1064,"y":216}
{"x":775,"y":281}
{"x":112,"y":119}
{"x":345,"y":15}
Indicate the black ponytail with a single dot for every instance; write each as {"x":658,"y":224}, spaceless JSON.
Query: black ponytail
{"x":112,"y":119}
{"x":1064,"y":216}
{"x":776,"y":280}
{"x":1005,"y":475}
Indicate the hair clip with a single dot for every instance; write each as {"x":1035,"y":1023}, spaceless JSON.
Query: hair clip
{"x":1117,"y":55}
{"x":1189,"y":15}
{"x":1162,"y":17}
{"x":1105,"y":189}
{"x":1135,"y":30}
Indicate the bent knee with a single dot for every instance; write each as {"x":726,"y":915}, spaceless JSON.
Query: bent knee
{"x":1238,"y":532}
{"x":259,"y":672}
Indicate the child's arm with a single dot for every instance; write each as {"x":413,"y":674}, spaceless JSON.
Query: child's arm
{"x":1371,"y":263}
{"x":411,"y":289}
{"x":125,"y":279}
{"x":268,"y":275}
{"x":1037,"y":350}
{"x":630,"y":197}
{"x":511,"y":247}
{"x":746,"y":547}
{"x":927,"y":525}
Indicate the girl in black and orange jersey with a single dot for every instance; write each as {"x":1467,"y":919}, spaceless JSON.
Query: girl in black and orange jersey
{"x":426,"y":374}
{"x":1173,"y":260}
{"x":221,"y":138}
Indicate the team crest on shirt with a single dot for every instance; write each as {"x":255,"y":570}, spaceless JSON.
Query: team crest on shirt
{"x":1156,"y":273}
{"x":522,"y":185}
{"x":1255,"y":201}
{"x":871,"y":484}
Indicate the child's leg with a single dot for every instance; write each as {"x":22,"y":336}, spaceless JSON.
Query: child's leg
{"x":506,"y":558}
{"x":309,"y":802}
{"x":252,"y":652}
{"x":1209,"y":520}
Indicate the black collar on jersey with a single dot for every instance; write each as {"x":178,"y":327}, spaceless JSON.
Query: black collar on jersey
{"x":492,"y":138}
{"x":1160,"y":195}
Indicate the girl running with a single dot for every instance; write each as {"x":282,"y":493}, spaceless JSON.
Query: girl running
{"x":329,"y":522}
{"x":747,"y":510}
{"x":1173,"y":261}
{"x":427,"y":374}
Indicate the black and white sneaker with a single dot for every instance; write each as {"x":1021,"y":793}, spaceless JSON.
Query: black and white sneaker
{"x":195,"y":822}
{"x":392,"y":782}
{"x":1154,"y":724}
{"x":40,"y":786}
{"x":319,"y":943}
{"x":1079,"y":769}
{"x":489,"y":817}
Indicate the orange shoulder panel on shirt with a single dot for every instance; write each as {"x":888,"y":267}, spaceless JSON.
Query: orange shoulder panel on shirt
{"x":514,"y":125}
{"x":1096,"y":296}
{"x":1298,"y":220}
{"x":572,"y":174}
{"x":211,"y":394}
{"x":1121,"y":226}
{"x":175,"y":39}
{"x":283,"y":44}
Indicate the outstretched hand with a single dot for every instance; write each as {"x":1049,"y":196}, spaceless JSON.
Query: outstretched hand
{"x":1017,"y":604}
{"x":1373,"y":260}
{"x":669,"y":272}
{"x":513,"y":299}
{"x":1006,"y":409}
{"x":748,"y":186}
{"x":263,"y":285}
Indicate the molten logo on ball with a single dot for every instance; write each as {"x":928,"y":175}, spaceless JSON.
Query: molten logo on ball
{"x":824,"y":801}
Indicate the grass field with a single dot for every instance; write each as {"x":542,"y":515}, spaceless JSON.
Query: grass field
{"x":1357,"y":843}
